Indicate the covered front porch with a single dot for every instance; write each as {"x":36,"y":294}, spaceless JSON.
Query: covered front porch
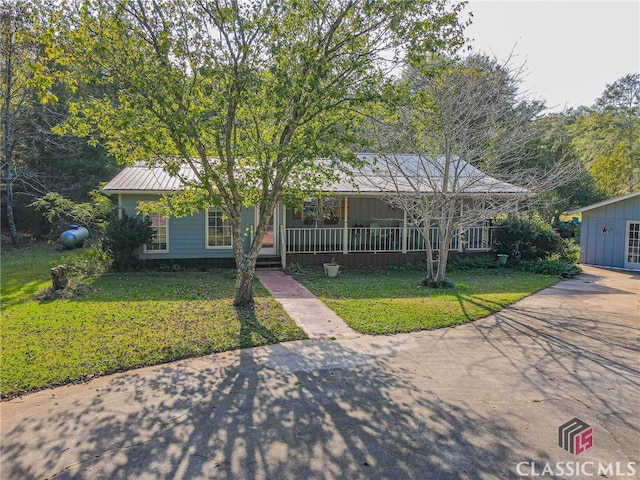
{"x":361,"y":226}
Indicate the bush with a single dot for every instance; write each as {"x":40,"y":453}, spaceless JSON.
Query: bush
{"x":73,"y":290}
{"x":295,"y":267}
{"x":473,"y":262}
{"x":122,"y":239}
{"x":551,"y":266}
{"x":568,"y":229}
{"x":431,"y":283}
{"x":92,"y":261}
{"x":526,"y":239}
{"x":60,"y":212}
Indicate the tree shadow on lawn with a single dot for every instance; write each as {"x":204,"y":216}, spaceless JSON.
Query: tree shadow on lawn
{"x":115,"y":339}
{"x":277,"y":412}
{"x":393,"y":284}
{"x":167,"y":286}
{"x":489,"y":306}
{"x":250,"y":327}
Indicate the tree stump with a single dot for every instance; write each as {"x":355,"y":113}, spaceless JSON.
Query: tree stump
{"x":59,"y":277}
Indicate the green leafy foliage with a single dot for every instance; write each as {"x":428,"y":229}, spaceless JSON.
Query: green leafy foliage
{"x":60,"y":212}
{"x":551,"y":266}
{"x":529,"y":239}
{"x":432,"y":283}
{"x":91,"y":261}
{"x":245,"y":95}
{"x":553,"y":143}
{"x":607,"y":137}
{"x":473,"y":262}
{"x":123,"y":237}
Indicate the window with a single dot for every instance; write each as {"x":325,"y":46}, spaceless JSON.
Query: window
{"x":218,"y":229}
{"x":633,"y":242}
{"x":329,"y":209}
{"x":160,"y":241}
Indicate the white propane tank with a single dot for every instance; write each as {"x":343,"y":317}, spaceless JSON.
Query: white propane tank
{"x":74,"y":237}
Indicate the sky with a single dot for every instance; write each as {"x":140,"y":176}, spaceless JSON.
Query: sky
{"x":570,"y":49}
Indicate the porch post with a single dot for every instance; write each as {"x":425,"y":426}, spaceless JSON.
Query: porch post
{"x":284,"y":215}
{"x":461,"y":228}
{"x":283,"y":236}
{"x":283,"y":251}
{"x":345,"y":232}
{"x":404,"y":232}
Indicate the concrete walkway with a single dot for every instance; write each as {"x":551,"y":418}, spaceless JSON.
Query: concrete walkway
{"x":483,"y":400}
{"x":309,"y":313}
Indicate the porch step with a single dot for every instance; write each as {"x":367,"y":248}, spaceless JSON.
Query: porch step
{"x":268,"y":262}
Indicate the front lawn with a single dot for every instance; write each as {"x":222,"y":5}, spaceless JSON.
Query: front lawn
{"x":393,"y":301}
{"x":130,"y":320}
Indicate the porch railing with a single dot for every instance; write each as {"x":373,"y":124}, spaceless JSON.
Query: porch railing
{"x":314,"y":240}
{"x":381,"y":239}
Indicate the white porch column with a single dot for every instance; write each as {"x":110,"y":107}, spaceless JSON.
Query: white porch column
{"x":283,"y":237}
{"x":345,"y":232}
{"x":404,"y":232}
{"x":461,"y":228}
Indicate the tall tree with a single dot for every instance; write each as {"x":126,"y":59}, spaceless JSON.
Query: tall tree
{"x":607,"y":136}
{"x":246,"y":94}
{"x":554,"y":144}
{"x":15,"y":50}
{"x":464,"y":121}
{"x":31,"y":158}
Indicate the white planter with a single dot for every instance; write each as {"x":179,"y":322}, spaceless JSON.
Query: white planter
{"x":331,"y":270}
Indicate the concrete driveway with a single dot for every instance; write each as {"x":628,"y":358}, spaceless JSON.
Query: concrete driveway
{"x":483,"y":400}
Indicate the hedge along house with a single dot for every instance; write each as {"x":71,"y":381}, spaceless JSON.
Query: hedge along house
{"x":351,"y":223}
{"x":610,"y":233}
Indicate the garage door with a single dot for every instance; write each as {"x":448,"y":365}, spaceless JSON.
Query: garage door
{"x":632,"y":257}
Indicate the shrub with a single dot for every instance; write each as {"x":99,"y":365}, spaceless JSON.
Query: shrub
{"x":92,"y":261}
{"x":122,"y":239}
{"x":295,"y":267}
{"x":473,"y":262}
{"x":73,"y":290}
{"x":431,"y":283}
{"x":530,"y":239}
{"x":60,"y":212}
{"x":551,"y":266}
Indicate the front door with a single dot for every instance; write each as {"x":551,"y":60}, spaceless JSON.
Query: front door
{"x":270,"y":237}
{"x":632,"y":245}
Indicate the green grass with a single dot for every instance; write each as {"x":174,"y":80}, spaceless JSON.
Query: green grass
{"x":393,"y":301}
{"x":131,"y":320}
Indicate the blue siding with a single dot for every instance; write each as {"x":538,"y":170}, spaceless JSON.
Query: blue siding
{"x":187,"y":235}
{"x":607,"y":250}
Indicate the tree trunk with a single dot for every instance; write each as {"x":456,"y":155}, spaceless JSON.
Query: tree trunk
{"x":59,"y":277}
{"x":428,"y":247}
{"x":244,"y":285}
{"x":13,"y":231}
{"x":7,"y":137}
{"x":441,"y":274}
{"x":444,"y":238}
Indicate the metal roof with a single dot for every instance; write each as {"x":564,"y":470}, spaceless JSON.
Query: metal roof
{"x":410,"y":172}
{"x":379,"y":174}
{"x":143,"y":179}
